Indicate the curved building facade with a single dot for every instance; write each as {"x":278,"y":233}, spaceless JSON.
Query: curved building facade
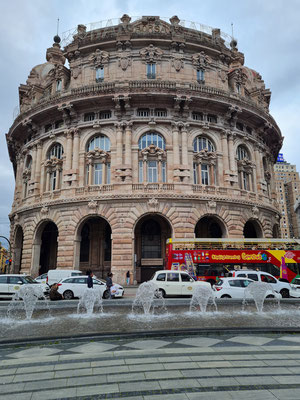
{"x":153,"y":131}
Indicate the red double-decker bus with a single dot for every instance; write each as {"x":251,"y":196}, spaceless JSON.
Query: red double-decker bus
{"x":208,"y":259}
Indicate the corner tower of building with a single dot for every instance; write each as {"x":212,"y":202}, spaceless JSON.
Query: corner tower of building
{"x":155,"y":130}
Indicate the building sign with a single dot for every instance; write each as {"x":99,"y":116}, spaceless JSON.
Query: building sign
{"x":280,"y":158}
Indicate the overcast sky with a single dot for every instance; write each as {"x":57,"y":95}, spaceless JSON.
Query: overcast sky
{"x":268,"y":33}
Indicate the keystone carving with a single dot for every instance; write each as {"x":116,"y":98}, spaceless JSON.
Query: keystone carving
{"x":151,"y":53}
{"x":201,"y":60}
{"x":44,"y":210}
{"x":255,"y":212}
{"x":92,"y":205}
{"x":100,"y":58}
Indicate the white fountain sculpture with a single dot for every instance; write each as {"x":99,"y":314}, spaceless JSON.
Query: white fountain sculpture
{"x":259,"y":291}
{"x":148,"y":298}
{"x":29,"y":295}
{"x":202,"y":296}
{"x":90,"y":298}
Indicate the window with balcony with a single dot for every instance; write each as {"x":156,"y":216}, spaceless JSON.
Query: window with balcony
{"x":200,"y":76}
{"x":53,"y":167}
{"x":59,"y":124}
{"x":151,"y":71}
{"x":204,"y":165}
{"x":105,"y":114}
{"x":152,"y":158}
{"x":245,"y":168}
{"x":99,"y":74}
{"x":89,"y":117}
{"x":98,"y":161}
{"x":59,"y":85}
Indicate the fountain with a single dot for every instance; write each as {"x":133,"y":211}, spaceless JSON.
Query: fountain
{"x":147,"y":298}
{"x":28,"y":295}
{"x":89,"y":299}
{"x":259,"y":291}
{"x":202,"y":296}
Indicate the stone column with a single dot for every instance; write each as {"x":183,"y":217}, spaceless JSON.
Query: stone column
{"x":145,"y":179}
{"x":75,"y":151}
{"x":258,"y":167}
{"x":38,"y":165}
{"x":90,"y":174}
{"x":128,"y":144}
{"x":69,"y":146}
{"x":232,"y":165}
{"x":104,"y":174}
{"x":225,"y":152}
{"x":119,"y":150}
{"x":199,"y":178}
{"x":176,"y":156}
{"x":48,"y":180}
{"x":184,"y":147}
{"x":34,"y":153}
{"x":159,"y":171}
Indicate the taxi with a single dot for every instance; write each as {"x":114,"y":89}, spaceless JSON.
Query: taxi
{"x":11,"y":283}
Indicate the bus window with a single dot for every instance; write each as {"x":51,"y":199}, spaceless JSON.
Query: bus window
{"x":254,"y":277}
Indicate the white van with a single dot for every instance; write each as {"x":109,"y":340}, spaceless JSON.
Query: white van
{"x":56,"y":275}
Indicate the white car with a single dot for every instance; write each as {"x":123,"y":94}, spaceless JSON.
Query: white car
{"x":176,"y":283}
{"x":234,"y":288}
{"x":11,"y":283}
{"x":75,"y":286}
{"x":283,"y":288}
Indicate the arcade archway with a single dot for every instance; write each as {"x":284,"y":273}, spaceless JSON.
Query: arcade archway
{"x":252,"y":230}
{"x":48,"y":251}
{"x":94,"y":242}
{"x":210,"y":227}
{"x":18,"y":250}
{"x":150,"y":234}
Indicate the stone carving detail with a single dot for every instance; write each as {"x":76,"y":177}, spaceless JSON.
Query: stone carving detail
{"x":92,"y":205}
{"x":153,"y":203}
{"x":209,"y":157}
{"x":177,"y":62}
{"x":151,"y":53}
{"x":16,"y":218}
{"x":97,"y":154}
{"x":212,"y":205}
{"x":152,"y":150}
{"x":201,"y":60}
{"x":75,"y":72}
{"x":44,"y":210}
{"x":100,"y":58}
{"x":255,"y":212}
{"x":124,"y":62}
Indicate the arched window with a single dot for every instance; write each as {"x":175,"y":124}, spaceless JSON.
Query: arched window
{"x":54,"y":167}
{"x":152,"y":158}
{"x":245,"y":168}
{"x":202,"y":143}
{"x":152,"y":138}
{"x":98,"y":161}
{"x":204,"y":161}
{"x":100,"y":142}
{"x":242,"y":153}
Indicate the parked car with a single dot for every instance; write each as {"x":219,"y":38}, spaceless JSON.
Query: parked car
{"x":176,"y":283}
{"x":283,"y":288}
{"x":234,"y":288}
{"x":11,"y":283}
{"x":75,"y":286}
{"x":56,"y":275}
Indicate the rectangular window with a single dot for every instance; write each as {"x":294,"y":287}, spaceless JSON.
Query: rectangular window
{"x":98,"y":174}
{"x":163,"y":171}
{"x":48,"y":128}
{"x":104,"y":115}
{"x":143,"y":112}
{"x":58,"y":85}
{"x":151,"y":71}
{"x":197,"y":116}
{"x":195,"y":173}
{"x":59,"y":124}
{"x":212,"y":118}
{"x":89,"y":117}
{"x":152,"y":171}
{"x":108,"y":174}
{"x":204,"y":174}
{"x":99,"y":74}
{"x":160,"y":113}
{"x":245,"y":181}
{"x":200,"y":75}
{"x":141,"y":172}
{"x":53,"y":180}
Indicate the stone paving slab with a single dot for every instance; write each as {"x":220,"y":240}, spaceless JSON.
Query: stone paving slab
{"x":95,"y":370}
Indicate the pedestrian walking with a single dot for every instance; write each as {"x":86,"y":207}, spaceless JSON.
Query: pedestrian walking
{"x":127,"y":278}
{"x":90,"y":278}
{"x":109,"y":283}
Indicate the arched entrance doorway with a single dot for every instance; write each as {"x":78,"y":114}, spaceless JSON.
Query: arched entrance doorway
{"x":210,"y":227}
{"x":252,"y":230}
{"x":94,"y":236}
{"x":48,"y":253}
{"x":150,"y":234}
{"x":18,"y":249}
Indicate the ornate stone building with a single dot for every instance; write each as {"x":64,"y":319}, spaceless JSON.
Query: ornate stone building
{"x":153,"y":131}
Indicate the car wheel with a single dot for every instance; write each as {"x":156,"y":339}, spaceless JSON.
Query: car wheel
{"x":106,"y":295}
{"x":68,"y":295}
{"x":270,"y":296}
{"x":225,"y":296}
{"x":161,"y":293}
{"x":285,"y":293}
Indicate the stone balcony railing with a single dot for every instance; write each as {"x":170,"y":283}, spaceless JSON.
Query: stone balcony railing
{"x":160,"y":86}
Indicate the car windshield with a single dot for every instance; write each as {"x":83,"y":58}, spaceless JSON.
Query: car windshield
{"x":28,"y":279}
{"x":219,"y":283}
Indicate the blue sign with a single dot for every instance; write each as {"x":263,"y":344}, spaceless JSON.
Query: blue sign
{"x":280,"y":158}
{"x":7,"y":261}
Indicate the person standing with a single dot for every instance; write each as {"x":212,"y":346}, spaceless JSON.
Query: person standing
{"x":127,"y":278}
{"x":109,"y":283}
{"x":89,"y":279}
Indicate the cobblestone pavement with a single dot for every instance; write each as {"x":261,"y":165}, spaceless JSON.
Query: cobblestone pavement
{"x":211,"y":366}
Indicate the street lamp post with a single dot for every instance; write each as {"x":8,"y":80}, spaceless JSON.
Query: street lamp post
{"x":8,"y":269}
